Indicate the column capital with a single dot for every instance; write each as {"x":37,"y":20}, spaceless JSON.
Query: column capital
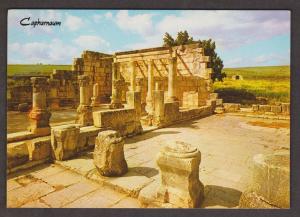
{"x":83,"y":80}
{"x":53,"y":82}
{"x":39,"y":83}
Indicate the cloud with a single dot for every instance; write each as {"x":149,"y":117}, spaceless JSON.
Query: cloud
{"x":97,"y":18}
{"x":279,"y":59}
{"x":108,"y":15}
{"x":230,"y":29}
{"x":54,"y":52}
{"x":140,"y":23}
{"x":91,"y":42}
{"x":73,"y":23}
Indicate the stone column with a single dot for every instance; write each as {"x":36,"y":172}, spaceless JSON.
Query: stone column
{"x":96,"y":96}
{"x":53,"y":93}
{"x":109,"y":154}
{"x":149,"y":98}
{"x":84,"y":110}
{"x":172,"y":79}
{"x":132,"y":76}
{"x":179,"y":172}
{"x":159,"y":106}
{"x":134,"y":100}
{"x":116,"y":95}
{"x":39,"y":115}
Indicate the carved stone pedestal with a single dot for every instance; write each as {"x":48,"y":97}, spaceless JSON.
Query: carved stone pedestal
{"x":179,"y":172}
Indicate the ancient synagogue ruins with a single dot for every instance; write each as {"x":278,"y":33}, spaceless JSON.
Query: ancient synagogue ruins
{"x":121,"y":100}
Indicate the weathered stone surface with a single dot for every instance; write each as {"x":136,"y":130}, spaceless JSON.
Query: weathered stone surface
{"x":231,"y":107}
{"x":255,"y":108}
{"x":23,"y":107}
{"x":122,"y":120}
{"x":64,"y":141}
{"x":20,"y":136}
{"x":250,"y":199}
{"x":87,"y":137}
{"x":134,"y":101}
{"x":212,"y":103}
{"x":109,"y":154}
{"x":271,"y":179}
{"x":276,"y":109}
{"x":213,"y":96}
{"x":219,"y":110}
{"x":171,"y":112}
{"x":264,"y":108}
{"x":17,"y":154}
{"x":39,"y":148}
{"x":285,"y":108}
{"x":179,"y":173}
{"x":85,"y":115}
{"x":159,"y":108}
{"x":219,"y":102}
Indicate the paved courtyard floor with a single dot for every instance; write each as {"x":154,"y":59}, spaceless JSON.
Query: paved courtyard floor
{"x":227,"y":144}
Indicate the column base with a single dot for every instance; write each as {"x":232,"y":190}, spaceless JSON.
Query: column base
{"x":116,"y":105}
{"x":84,"y":115}
{"x":42,"y":131}
{"x":95,"y":101}
{"x":172,"y":99}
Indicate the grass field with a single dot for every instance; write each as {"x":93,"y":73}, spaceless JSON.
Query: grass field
{"x":272,"y":82}
{"x":23,"y":69}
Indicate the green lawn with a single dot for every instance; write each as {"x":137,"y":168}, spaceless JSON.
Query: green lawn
{"x":23,"y":69}
{"x":272,"y":82}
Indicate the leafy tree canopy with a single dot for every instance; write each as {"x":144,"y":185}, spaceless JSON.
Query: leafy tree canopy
{"x":209,"y":47}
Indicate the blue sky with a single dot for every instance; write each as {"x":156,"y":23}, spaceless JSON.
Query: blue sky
{"x":243,"y":38}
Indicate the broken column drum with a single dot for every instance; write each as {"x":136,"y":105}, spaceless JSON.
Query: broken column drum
{"x":270,"y":183}
{"x":39,"y":115}
{"x":179,"y":173}
{"x":84,"y":110}
{"x":109,"y":154}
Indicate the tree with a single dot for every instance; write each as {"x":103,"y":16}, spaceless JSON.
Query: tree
{"x":209,"y":47}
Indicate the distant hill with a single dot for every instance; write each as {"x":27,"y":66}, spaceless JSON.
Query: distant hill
{"x":260,"y":72}
{"x":34,"y":69}
{"x":272,"y":82}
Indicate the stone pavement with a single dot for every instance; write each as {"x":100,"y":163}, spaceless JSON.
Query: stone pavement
{"x":52,"y":186}
{"x":227,"y":144}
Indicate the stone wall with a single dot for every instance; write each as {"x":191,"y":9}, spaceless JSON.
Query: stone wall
{"x":192,"y":70}
{"x":99,"y":67}
{"x":63,"y":89}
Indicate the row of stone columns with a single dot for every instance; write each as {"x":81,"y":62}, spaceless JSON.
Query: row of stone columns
{"x":39,"y":115}
{"x":172,"y":73}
